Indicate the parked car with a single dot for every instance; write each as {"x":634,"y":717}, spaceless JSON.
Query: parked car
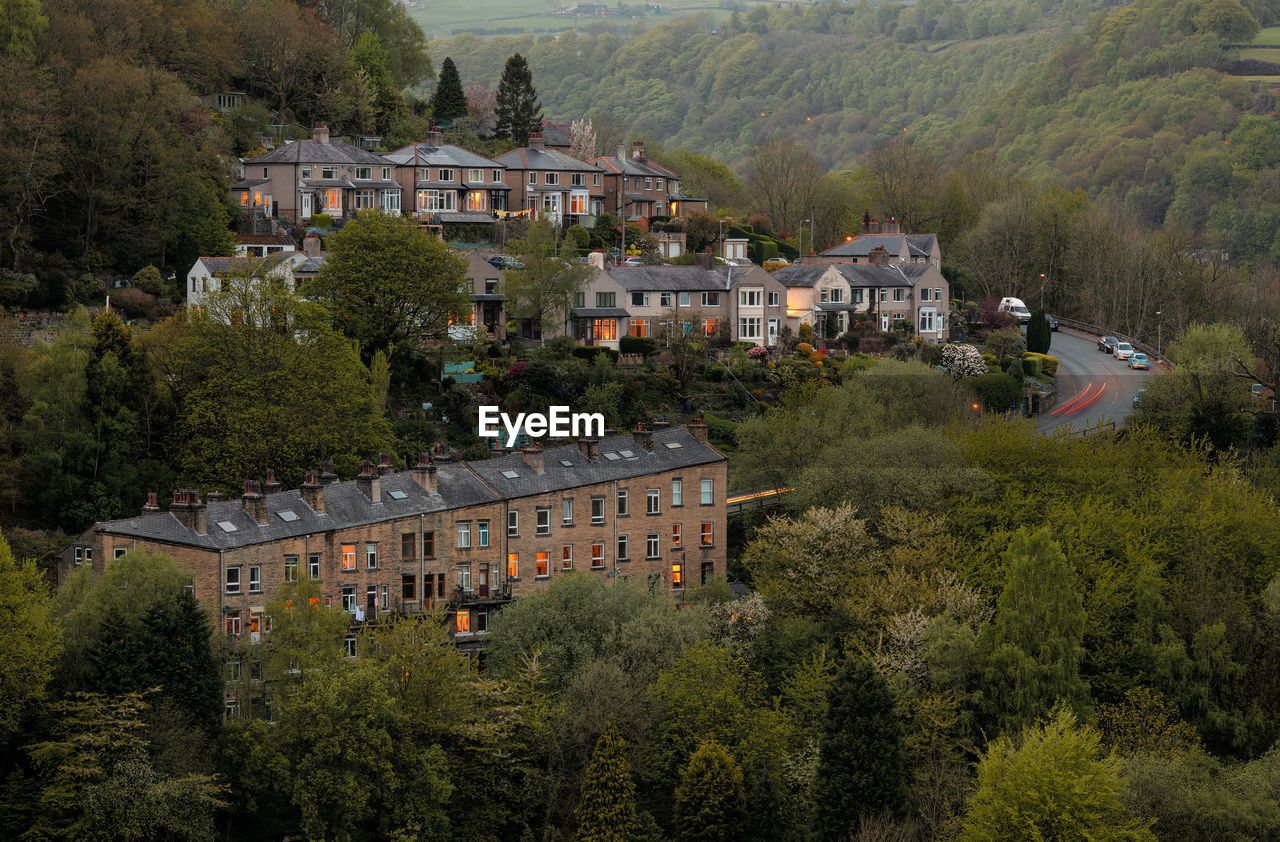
{"x":633,"y":261}
{"x":1138,"y":361}
{"x":1123,"y":351}
{"x":1053,"y":323}
{"x":1014,"y":307}
{"x":1107,"y":344}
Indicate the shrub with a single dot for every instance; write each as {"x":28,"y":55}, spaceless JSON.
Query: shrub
{"x":804,"y":349}
{"x":997,"y":392}
{"x":758,"y":352}
{"x":133,"y":302}
{"x":589,"y":353}
{"x":930,"y":354}
{"x":963,"y":361}
{"x":1048,"y":364}
{"x":806,"y":333}
{"x":320,"y":220}
{"x":1032,"y":366}
{"x":580,"y":236}
{"x":149,"y":280}
{"x":637,"y":345}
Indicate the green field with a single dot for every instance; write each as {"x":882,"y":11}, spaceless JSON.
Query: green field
{"x":443,"y":18}
{"x":1270,"y":36}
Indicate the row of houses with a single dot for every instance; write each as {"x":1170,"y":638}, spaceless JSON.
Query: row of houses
{"x":461,"y":537}
{"x":444,"y":184}
{"x":891,"y":279}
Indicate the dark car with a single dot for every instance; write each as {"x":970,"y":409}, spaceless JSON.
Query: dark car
{"x":1053,"y":323}
{"x":1108,"y":344}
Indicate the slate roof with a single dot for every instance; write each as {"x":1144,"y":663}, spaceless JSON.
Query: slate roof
{"x":459,"y":485}
{"x":317,"y":152}
{"x":918,"y":245}
{"x":446,"y":155}
{"x":676,"y":278}
{"x":528,"y":158}
{"x":249,"y":183}
{"x":222,"y":265}
{"x":557,"y":134}
{"x":921,"y":244}
{"x":581,"y":472}
{"x":600,"y":313}
{"x":857,"y":274}
{"x":633,"y":166}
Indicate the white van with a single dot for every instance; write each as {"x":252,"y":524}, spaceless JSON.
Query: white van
{"x":1016,"y":308}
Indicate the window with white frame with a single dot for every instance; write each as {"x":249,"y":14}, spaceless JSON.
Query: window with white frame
{"x":622,"y":502}
{"x":686,"y":299}
{"x":255,"y":579}
{"x":926,"y":294}
{"x":513,"y":523}
{"x":497,"y":176}
{"x":773,"y":299}
{"x":566,"y":557}
{"x":708,"y":492}
{"x":364,"y":173}
{"x":648,"y":183}
{"x":566,"y":506}
{"x":544,"y":522}
{"x":464,"y":577}
{"x":386,"y":173}
{"x":475,"y":175}
{"x":578,"y":179}
{"x":677,"y":492}
{"x":552,"y":178}
{"x":464,"y":534}
{"x":927,"y":315}
{"x":652,"y":501}
{"x":371,"y":556}
{"x":664,"y":299}
{"x":533,"y":176}
{"x":639,"y":299}
{"x":390,"y":201}
{"x":365,"y":199}
{"x":651,"y":546}
{"x":482,"y":533}
{"x":749,"y":328}
{"x":597,"y":511}
{"x":899,"y":294}
{"x":597,"y":554}
{"x":446,"y":175}
{"x":750,"y":297}
{"x":233,"y":580}
{"x":710,"y":299}
{"x":595,"y":179}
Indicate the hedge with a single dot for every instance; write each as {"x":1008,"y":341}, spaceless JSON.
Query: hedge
{"x":589,"y":353}
{"x":1048,"y":364}
{"x":637,"y":345}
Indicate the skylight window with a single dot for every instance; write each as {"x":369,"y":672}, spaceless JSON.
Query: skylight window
{"x":510,"y":474}
{"x":674,"y":445}
{"x":227,"y":526}
{"x":627,"y":453}
{"x":566,"y":463}
{"x":397,"y":495}
{"x":612,"y":457}
{"x":287,"y":516}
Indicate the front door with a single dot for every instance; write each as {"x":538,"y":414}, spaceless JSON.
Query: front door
{"x":306,"y":205}
{"x":482,"y":583}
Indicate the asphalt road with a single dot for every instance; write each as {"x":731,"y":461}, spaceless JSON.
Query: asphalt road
{"x":1093,"y":387}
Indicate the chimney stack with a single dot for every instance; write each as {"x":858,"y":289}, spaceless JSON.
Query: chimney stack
{"x":328,"y":477}
{"x":253,"y":501}
{"x":152,"y":505}
{"x":637,"y":150}
{"x":369,"y":483}
{"x":644,"y":437}
{"x":879,"y":256}
{"x":311,"y":245}
{"x":215,"y":497}
{"x":320,"y":133}
{"x":533,"y":458}
{"x":313,"y":493}
{"x":435,"y":137}
{"x":590,"y":448}
{"x":705,"y":260}
{"x":424,"y":473}
{"x":189,"y":510}
{"x":536,"y":142}
{"x":699,"y":430}
{"x":272,"y":485}
{"x":384,"y":465}
{"x":660,"y":425}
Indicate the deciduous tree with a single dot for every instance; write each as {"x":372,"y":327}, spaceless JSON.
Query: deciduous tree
{"x":30,"y":640}
{"x":543,"y":290}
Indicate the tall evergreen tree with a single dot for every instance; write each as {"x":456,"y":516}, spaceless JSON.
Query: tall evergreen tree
{"x":607,"y":809}
{"x":860,"y":768}
{"x":1038,"y":334}
{"x":710,"y":801}
{"x":519,"y":112}
{"x":448,"y":103}
{"x":1035,"y":644}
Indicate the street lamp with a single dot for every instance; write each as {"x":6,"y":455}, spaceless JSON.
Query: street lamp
{"x":1042,"y":292}
{"x":1159,"y":326}
{"x":802,"y":222}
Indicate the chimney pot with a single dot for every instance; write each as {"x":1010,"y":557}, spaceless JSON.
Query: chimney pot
{"x":699,"y":430}
{"x":369,"y":483}
{"x":536,"y":141}
{"x":328,"y":477}
{"x":152,"y":505}
{"x":644,"y":437}
{"x":311,"y":245}
{"x":272,"y":485}
{"x":590,"y":448}
{"x":216,"y":497}
{"x":385,"y":465}
{"x":320,"y":133}
{"x":253,"y":501}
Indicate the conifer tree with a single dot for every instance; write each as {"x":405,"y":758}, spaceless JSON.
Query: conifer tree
{"x":519,"y":112}
{"x":607,"y":809}
{"x":1038,"y":334}
{"x":1036,"y":642}
{"x":860,"y":767}
{"x":710,"y":802}
{"x":448,"y":103}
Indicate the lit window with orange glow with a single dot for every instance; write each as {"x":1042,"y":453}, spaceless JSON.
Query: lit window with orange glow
{"x":675,"y":534}
{"x":597,"y":555}
{"x":542,"y":565}
{"x":348,"y":556}
{"x":513,"y":565}
{"x":677,"y":576}
{"x":566,"y":557}
{"x":257,"y":197}
{"x":708,"y":536}
{"x":463,"y":624}
{"x":244,"y":198}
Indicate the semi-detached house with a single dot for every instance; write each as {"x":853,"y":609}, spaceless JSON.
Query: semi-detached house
{"x":449,"y":184}
{"x":548,"y":184}
{"x":303,"y":178}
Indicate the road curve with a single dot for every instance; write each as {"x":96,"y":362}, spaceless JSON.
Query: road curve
{"x":1093,"y":387}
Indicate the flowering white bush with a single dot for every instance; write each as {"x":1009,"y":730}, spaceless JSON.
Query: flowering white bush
{"x":963,"y":361}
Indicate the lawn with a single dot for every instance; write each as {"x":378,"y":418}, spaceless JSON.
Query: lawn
{"x":441,"y":18}
{"x":1269,"y":36}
